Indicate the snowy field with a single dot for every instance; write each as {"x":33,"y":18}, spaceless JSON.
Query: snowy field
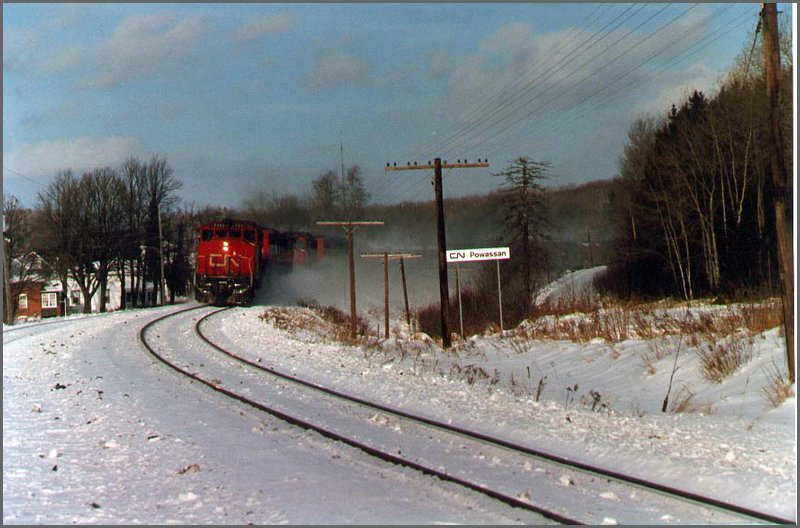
{"x":95,"y":431}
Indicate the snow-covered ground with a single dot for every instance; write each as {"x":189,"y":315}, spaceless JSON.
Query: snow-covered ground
{"x":575,"y":285}
{"x":95,"y":431}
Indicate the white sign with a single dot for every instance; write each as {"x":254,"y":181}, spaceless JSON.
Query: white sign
{"x":469,"y":255}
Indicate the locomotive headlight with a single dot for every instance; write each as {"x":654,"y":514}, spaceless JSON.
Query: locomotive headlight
{"x":225,"y":246}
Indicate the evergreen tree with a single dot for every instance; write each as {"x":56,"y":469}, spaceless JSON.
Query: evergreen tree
{"x":524,"y":217}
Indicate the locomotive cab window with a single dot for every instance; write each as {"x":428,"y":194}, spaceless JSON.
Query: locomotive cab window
{"x":206,"y":234}
{"x":222,"y":233}
{"x":235,"y":233}
{"x":250,"y":236}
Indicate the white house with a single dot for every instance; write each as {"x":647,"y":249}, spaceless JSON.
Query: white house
{"x":113,"y":295}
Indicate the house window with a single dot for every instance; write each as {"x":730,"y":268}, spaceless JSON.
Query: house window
{"x":49,"y":300}
{"x":75,"y":297}
{"x":23,"y":301}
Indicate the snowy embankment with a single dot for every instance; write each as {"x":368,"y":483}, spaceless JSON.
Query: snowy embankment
{"x":575,"y":285}
{"x":728,"y":442}
{"x":94,"y":431}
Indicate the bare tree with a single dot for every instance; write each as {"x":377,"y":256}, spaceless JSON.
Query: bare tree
{"x":21,"y":263}
{"x":179,"y":232}
{"x":60,"y":206}
{"x":326,"y":195}
{"x":355,"y":194}
{"x":17,"y":225}
{"x":133,"y":217}
{"x":160,"y":187}
{"x":103,"y":195}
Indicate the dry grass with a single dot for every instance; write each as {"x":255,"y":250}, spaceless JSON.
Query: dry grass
{"x":779,"y":388}
{"x":649,"y":360}
{"x":471,"y":374}
{"x":645,"y":321}
{"x":726,"y":357}
{"x":325,"y":322}
{"x":684,"y":403}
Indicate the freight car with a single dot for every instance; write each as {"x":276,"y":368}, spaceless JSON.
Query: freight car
{"x":232,"y":256}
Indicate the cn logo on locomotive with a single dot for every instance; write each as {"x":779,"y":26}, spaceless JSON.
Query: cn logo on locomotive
{"x":218,"y":259}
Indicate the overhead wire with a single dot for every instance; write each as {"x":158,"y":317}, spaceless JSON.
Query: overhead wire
{"x":698,"y":45}
{"x":506,"y":107}
{"x":561,"y":93}
{"x":603,"y":50}
{"x":602,"y":93}
{"x":478,"y":114}
{"x":15,"y":173}
{"x":392,"y":180}
{"x":561,"y":45}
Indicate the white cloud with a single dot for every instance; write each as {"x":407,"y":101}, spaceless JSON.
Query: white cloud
{"x":339,"y":69}
{"x":267,"y":25}
{"x":19,"y":47}
{"x":676,"y":88}
{"x":145,"y":46}
{"x":516,"y":38}
{"x":141,"y":46}
{"x":516,"y":72}
{"x":44,"y":159}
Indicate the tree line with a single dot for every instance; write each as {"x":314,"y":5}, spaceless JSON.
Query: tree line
{"x":329,"y":198}
{"x":118,"y":221}
{"x":105,"y":221}
{"x":697,"y":216}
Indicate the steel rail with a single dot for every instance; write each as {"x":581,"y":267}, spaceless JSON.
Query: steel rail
{"x":499,"y":442}
{"x":326,"y":433}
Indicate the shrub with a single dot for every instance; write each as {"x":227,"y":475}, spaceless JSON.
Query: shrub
{"x":720,"y":360}
{"x":779,"y":389}
{"x":326,"y":321}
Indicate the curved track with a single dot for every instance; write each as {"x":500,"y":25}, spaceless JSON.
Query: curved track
{"x":710,"y":510}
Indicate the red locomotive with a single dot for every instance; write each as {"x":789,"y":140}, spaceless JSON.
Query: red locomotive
{"x":232,"y":256}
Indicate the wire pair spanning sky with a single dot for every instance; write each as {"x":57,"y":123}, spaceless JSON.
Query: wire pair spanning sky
{"x":241,"y":98}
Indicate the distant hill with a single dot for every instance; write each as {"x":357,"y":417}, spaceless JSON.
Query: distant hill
{"x":575,"y":212}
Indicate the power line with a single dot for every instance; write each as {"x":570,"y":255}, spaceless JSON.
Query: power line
{"x":594,"y":73}
{"x":490,"y":136}
{"x":15,"y":173}
{"x":554,"y":69}
{"x":750,"y":57}
{"x":478,"y":115}
{"x":551,"y":72}
{"x":577,"y":83}
{"x":561,"y":45}
{"x":699,"y":45}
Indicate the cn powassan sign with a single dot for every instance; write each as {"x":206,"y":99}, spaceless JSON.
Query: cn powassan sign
{"x":471,"y":255}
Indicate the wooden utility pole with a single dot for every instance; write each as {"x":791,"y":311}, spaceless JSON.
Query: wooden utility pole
{"x":444,"y":294}
{"x":349,"y":227}
{"x":386,"y":257}
{"x":405,"y":290}
{"x":780,"y":184}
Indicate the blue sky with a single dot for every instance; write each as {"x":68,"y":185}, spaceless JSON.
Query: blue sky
{"x":247,"y":97}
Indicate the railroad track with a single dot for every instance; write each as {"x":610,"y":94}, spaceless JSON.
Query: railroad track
{"x":491,"y":466}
